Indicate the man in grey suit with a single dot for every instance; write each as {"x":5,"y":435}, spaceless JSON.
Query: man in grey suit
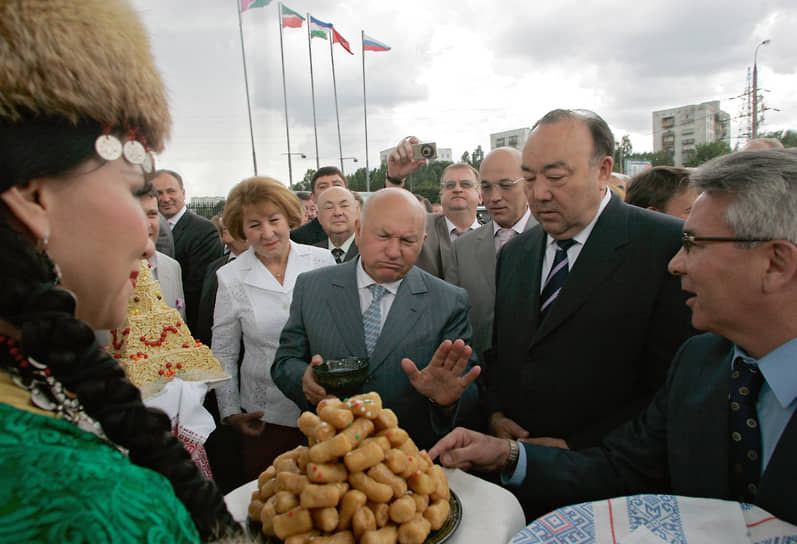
{"x":472,"y":264}
{"x":412,"y":326}
{"x":723,"y":425}
{"x":337,"y":212}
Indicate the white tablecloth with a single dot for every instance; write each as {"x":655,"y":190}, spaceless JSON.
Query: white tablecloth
{"x":489,"y":513}
{"x":658,"y":519}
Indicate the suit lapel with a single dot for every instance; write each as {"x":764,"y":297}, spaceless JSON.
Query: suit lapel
{"x":522,"y":274}
{"x":256,"y":274}
{"x":352,"y":253}
{"x":598,"y":259}
{"x":444,"y":239}
{"x":343,"y":304}
{"x":403,"y":317}
{"x":484,"y":252}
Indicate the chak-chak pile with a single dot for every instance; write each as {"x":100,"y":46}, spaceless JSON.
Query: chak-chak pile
{"x":362,"y":479}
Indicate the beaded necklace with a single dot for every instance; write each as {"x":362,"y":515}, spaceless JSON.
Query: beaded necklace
{"x":47,"y":393}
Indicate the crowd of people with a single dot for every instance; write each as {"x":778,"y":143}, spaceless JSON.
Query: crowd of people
{"x":598,"y":336}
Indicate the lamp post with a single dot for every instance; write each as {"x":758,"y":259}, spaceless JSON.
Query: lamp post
{"x":352,"y":159}
{"x":290,"y":170}
{"x":755,"y":88}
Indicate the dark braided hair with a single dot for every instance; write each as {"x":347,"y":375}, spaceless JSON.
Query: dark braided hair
{"x":51,"y":334}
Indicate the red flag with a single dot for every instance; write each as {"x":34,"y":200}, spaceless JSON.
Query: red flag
{"x":337,"y":38}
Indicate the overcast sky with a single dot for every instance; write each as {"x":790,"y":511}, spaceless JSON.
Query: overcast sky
{"x":458,"y":71}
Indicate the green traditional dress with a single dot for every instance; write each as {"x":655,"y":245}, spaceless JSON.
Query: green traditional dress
{"x":61,"y":484}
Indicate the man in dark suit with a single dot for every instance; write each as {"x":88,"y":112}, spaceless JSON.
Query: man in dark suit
{"x":573,"y":359}
{"x":723,"y":424}
{"x":473,"y":256}
{"x":196,"y":240}
{"x":337,"y":212}
{"x":382,"y":307}
{"x":312,"y":232}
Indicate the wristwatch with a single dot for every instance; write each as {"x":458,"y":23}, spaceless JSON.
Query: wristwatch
{"x":511,"y":462}
{"x":394,"y":181}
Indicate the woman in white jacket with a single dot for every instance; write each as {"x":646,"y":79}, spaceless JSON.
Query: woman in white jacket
{"x":252,"y":305}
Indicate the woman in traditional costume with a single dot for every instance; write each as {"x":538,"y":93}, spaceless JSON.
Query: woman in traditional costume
{"x":81,"y":458}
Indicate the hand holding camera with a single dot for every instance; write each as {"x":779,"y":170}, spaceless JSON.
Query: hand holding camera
{"x":409,"y":155}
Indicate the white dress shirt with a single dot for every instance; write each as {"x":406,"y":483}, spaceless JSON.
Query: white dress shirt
{"x":452,"y":228}
{"x":363,"y":281}
{"x":176,"y":217}
{"x":251,"y":304}
{"x":575,"y":250}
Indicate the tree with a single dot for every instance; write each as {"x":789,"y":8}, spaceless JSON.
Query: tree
{"x":787,"y":137}
{"x":474,"y":159}
{"x":707,"y":151}
{"x":659,"y":158}
{"x":305,"y":184}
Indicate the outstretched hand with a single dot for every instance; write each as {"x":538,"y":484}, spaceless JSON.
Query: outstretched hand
{"x":466,"y":449}
{"x":400,"y":163}
{"x":442,"y":379}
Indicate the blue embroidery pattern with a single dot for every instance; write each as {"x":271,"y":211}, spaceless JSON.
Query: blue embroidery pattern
{"x":572,"y":524}
{"x":659,"y":513}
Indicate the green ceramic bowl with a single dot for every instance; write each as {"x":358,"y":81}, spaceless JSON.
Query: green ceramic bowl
{"x":342,"y":377}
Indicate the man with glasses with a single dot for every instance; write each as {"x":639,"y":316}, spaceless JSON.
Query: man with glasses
{"x":473,"y":256}
{"x":723,"y":424}
{"x":587,"y":318}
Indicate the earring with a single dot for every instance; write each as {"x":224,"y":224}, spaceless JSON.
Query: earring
{"x":42,"y":244}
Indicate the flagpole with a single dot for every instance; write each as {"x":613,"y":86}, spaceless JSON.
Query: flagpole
{"x":335,"y":89}
{"x":312,"y":85}
{"x":246,"y":85}
{"x":285,"y":98}
{"x":365,"y":116}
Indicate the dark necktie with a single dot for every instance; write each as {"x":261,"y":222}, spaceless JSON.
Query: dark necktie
{"x":556,"y":277}
{"x":338,"y":254}
{"x":745,"y":443}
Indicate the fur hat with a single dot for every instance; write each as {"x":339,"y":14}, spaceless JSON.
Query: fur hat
{"x":80,"y":60}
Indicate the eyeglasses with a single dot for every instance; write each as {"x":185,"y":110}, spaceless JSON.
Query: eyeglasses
{"x":451,"y":184}
{"x":504,"y":185}
{"x":690,"y":240}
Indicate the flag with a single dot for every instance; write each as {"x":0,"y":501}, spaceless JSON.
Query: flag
{"x":246,"y":4}
{"x":370,"y":44}
{"x":318,"y":28}
{"x":290,"y":18}
{"x":337,"y":38}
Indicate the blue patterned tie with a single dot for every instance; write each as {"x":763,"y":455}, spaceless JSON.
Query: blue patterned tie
{"x":372,"y":318}
{"x":745,"y":444}
{"x":556,"y":277}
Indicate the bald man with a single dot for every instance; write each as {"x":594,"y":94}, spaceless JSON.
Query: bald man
{"x":337,"y":213}
{"x":473,"y":256}
{"x":420,"y":362}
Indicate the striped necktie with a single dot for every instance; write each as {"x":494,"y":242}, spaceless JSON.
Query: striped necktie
{"x":338,"y":254}
{"x":372,"y":318}
{"x":556,"y":277}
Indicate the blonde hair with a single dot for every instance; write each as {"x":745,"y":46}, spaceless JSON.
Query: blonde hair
{"x":257,"y":190}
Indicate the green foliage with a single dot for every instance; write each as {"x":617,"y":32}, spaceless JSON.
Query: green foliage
{"x":474,"y":159}
{"x":304,"y":185}
{"x":659,"y":158}
{"x":707,"y":151}
{"x":424,"y":181}
{"x":787,"y":137}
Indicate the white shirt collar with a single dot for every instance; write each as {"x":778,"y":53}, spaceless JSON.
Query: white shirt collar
{"x":451,"y":226}
{"x":176,"y":217}
{"x":344,"y":246}
{"x":582,"y":236}
{"x":364,"y":280}
{"x":518,"y":227}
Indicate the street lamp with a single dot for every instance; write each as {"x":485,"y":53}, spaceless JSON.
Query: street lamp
{"x":290,"y":168}
{"x":352,"y":159}
{"x":755,"y":88}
